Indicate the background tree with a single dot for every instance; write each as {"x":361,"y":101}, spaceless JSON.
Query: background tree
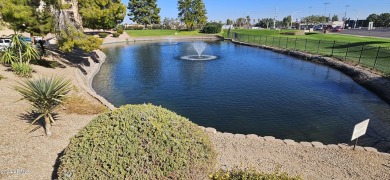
{"x":286,"y":21}
{"x":335,"y":18}
{"x":240,"y":22}
{"x":101,"y":14}
{"x":384,"y":20}
{"x":229,"y":22}
{"x":373,"y":18}
{"x":26,"y":16}
{"x":144,"y":12}
{"x":248,"y":21}
{"x":264,"y":23}
{"x":192,"y":13}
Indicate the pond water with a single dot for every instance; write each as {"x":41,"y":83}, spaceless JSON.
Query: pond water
{"x":244,"y":90}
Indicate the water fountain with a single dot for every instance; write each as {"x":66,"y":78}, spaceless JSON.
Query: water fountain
{"x":199,"y":48}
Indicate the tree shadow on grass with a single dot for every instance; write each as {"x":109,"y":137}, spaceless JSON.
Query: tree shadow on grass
{"x":357,"y":44}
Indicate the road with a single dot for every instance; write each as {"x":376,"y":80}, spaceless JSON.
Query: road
{"x":383,"y":33}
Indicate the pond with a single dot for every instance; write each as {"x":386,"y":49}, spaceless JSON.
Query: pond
{"x":244,"y":90}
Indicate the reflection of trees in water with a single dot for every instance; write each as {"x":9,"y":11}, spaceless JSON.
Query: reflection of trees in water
{"x":193,"y":72}
{"x":148,"y":64}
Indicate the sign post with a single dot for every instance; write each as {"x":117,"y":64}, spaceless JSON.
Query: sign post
{"x":359,"y":130}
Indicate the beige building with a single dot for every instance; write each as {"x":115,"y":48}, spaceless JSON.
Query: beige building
{"x":71,"y":7}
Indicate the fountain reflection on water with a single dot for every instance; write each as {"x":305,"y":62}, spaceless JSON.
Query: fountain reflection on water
{"x":199,"y":48}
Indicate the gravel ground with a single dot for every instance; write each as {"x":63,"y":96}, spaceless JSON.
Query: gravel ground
{"x":307,"y":162}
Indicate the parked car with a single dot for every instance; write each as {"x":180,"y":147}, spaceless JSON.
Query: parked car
{"x":318,"y":28}
{"x":337,"y":29}
{"x":4,"y":43}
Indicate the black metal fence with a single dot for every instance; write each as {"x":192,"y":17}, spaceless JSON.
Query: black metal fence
{"x":364,"y":54}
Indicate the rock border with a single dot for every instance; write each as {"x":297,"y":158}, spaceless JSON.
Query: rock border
{"x":85,"y":79}
{"x":289,"y":142}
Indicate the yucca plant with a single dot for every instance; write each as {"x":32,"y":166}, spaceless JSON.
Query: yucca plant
{"x":45,"y":94}
{"x":22,"y":69}
{"x":30,"y":53}
{"x":8,"y":56}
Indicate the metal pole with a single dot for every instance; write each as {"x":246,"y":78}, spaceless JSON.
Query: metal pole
{"x":377,"y":54}
{"x":287,"y":43}
{"x":346,"y":52}
{"x":295,"y":46}
{"x":355,"y":143}
{"x":305,"y":44}
{"x":273,"y":39}
{"x":279,"y":41}
{"x":318,"y":48}
{"x":361,"y":52}
{"x":334,"y":42}
{"x":266,"y":38}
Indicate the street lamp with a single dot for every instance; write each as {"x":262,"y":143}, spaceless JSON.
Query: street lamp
{"x":345,"y":16}
{"x":325,"y":4}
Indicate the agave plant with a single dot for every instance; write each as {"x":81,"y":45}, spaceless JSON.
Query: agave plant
{"x":45,"y":94}
{"x":8,"y":56}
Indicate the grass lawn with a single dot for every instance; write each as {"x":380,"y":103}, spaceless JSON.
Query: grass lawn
{"x":366,"y":51}
{"x":385,"y":42}
{"x":159,"y":32}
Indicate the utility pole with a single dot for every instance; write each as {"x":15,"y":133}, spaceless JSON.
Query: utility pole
{"x":325,"y":4}
{"x":345,"y":16}
{"x":357,"y":18}
{"x":275,"y":17}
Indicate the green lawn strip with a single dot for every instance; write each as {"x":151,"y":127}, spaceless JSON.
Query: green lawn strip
{"x":362,"y":52}
{"x":158,"y":32}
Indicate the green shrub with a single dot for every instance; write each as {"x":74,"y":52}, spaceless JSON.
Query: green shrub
{"x":120,"y":30}
{"x":1,"y":77}
{"x":103,"y":35}
{"x":138,"y":142}
{"x":66,"y":6}
{"x":21,"y":69}
{"x":115,"y":35}
{"x":212,"y":28}
{"x":250,"y":174}
{"x":135,"y":28}
{"x":156,"y":26}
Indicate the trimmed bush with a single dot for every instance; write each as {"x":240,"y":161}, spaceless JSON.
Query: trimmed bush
{"x":115,"y":35}
{"x":138,"y":142}
{"x":135,"y":28}
{"x":103,"y":35}
{"x":120,"y":30}
{"x":212,"y":28}
{"x":249,"y":174}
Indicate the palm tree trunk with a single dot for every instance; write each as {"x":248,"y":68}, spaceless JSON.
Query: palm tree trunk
{"x":48,"y":126}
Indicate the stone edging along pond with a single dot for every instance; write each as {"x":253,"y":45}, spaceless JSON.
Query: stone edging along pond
{"x":374,"y":82}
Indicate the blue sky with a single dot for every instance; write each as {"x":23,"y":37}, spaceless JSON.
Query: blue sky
{"x":220,"y":10}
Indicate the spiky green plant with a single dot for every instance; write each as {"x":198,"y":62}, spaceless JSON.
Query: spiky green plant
{"x":30,"y":53}
{"x":45,"y":94}
{"x":8,"y":56}
{"x":22,"y":69}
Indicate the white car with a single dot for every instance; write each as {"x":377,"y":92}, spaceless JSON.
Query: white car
{"x":4,"y":43}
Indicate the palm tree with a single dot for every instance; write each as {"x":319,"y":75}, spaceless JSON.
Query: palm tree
{"x":45,"y":94}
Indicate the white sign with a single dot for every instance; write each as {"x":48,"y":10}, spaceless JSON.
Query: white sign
{"x":360,"y":129}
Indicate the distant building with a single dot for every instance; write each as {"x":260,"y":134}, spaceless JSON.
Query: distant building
{"x":227,"y":26}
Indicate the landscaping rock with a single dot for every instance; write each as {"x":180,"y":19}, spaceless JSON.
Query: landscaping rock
{"x":240,"y":136}
{"x":370,"y":149}
{"x":345,"y":146}
{"x":252,"y":136}
{"x":290,"y":142}
{"x":359,"y":148}
{"x":306,"y":144}
{"x":333,"y":146}
{"x":227,"y":134}
{"x":269,"y":138}
{"x":317,"y":144}
{"x":211,"y":130}
{"x":277,"y":141}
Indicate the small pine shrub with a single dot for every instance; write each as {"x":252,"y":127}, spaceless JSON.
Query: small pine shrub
{"x":103,"y":35}
{"x":138,"y":142}
{"x":249,"y":174}
{"x":21,"y":69}
{"x":115,"y":35}
{"x":212,"y":28}
{"x":120,"y":30}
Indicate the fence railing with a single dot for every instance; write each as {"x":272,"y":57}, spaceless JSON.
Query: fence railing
{"x":374,"y":57}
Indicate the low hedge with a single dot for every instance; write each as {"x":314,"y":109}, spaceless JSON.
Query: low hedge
{"x":116,"y":35}
{"x":103,"y":35}
{"x":212,"y":28}
{"x":138,"y":142}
